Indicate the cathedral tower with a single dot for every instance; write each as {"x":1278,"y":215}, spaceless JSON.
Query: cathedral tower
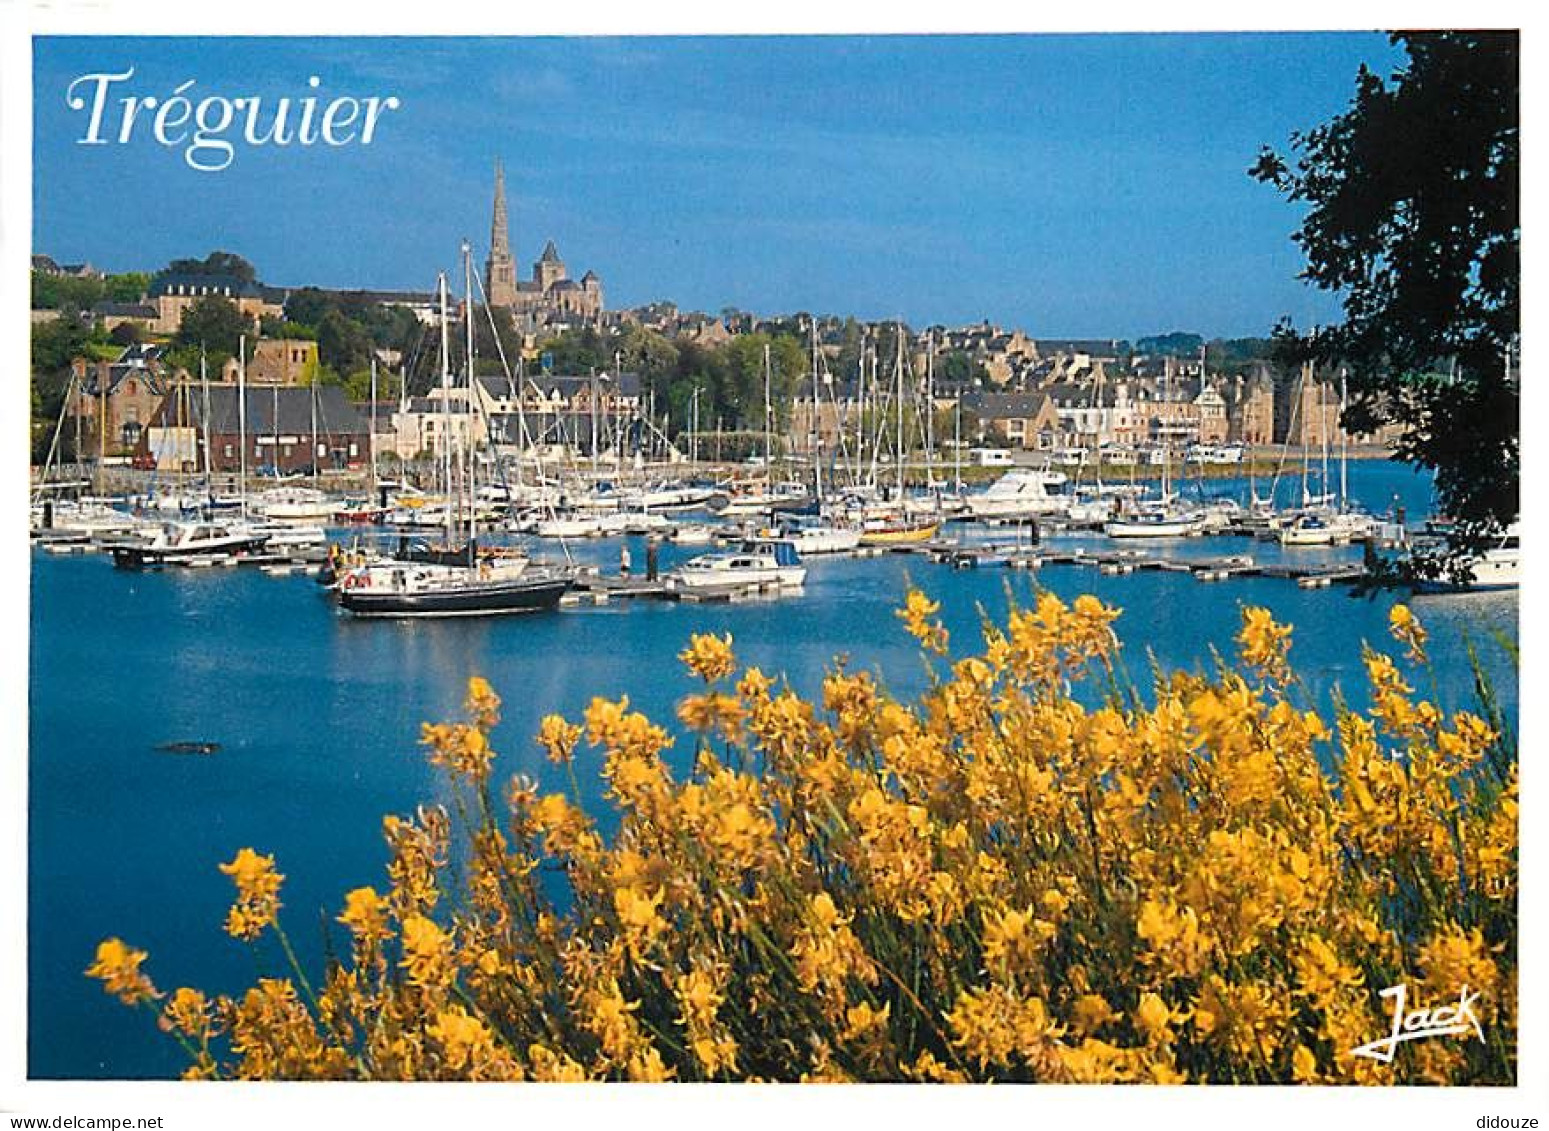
{"x":500,"y":269}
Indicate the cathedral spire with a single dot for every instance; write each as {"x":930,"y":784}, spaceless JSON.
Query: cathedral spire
{"x":500,"y":269}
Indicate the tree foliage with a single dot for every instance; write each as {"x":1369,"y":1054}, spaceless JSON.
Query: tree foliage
{"x":1413,"y":218}
{"x":216,"y":263}
{"x":214,"y":323}
{"x":70,"y":293}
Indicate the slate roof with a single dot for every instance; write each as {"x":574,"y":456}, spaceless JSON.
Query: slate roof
{"x":168,"y":282}
{"x":124,"y":310}
{"x":276,"y":410}
{"x":1005,"y":406}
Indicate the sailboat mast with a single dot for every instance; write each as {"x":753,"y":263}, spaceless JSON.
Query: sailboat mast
{"x":817,"y":447}
{"x":930,"y":408}
{"x":1302,"y":400}
{"x":242,"y":424}
{"x":446,"y":409}
{"x":468,"y":369}
{"x":204,"y":417}
{"x":957,"y":441}
{"x":371,"y":440}
{"x":1344,"y":448}
{"x":768,"y":428}
{"x":315,"y":469}
{"x":1323,"y":440}
{"x":898,"y":425}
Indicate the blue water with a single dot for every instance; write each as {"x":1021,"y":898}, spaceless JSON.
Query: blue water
{"x":317,"y":716}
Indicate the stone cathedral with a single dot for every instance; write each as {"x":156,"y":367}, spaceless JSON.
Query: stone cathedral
{"x":550,"y":295}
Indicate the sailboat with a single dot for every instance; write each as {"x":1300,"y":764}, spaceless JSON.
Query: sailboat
{"x":465,"y":582}
{"x":1161,"y":518}
{"x":1320,"y":522}
{"x":895,"y":523}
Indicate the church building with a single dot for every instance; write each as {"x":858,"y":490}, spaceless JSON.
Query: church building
{"x":550,"y":295}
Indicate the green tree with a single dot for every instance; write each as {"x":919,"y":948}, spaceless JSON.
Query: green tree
{"x":307,"y":306}
{"x":215,"y":323}
{"x":216,"y":263}
{"x":64,"y":292}
{"x":128,"y":287}
{"x":1413,"y":218}
{"x":342,"y":344}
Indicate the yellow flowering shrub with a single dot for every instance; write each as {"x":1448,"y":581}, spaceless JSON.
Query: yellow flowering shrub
{"x":1006,"y":879}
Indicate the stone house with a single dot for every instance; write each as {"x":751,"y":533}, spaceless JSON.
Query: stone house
{"x":276,"y":361}
{"x":112,"y":401}
{"x":1020,"y":420}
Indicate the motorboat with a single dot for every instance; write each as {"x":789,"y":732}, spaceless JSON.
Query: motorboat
{"x":286,"y":538}
{"x":790,"y":495}
{"x":759,"y":562}
{"x":1499,"y":567}
{"x":1020,"y":494}
{"x":569,"y":526}
{"x":184,"y":541}
{"x":692,"y":534}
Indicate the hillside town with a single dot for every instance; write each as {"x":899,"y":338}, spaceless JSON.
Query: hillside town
{"x":125,"y":394}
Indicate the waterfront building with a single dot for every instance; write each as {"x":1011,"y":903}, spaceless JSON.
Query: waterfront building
{"x":425,"y":426}
{"x":1250,"y":407}
{"x":1020,"y":420}
{"x":1097,"y":412}
{"x":112,"y":401}
{"x":288,"y":429}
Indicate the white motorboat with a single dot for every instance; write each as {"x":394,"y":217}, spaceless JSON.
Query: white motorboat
{"x":631,"y":522}
{"x":768,"y":562}
{"x":1020,"y":494}
{"x":1217,"y":515}
{"x":692,"y":534}
{"x":286,"y":537}
{"x":183,"y":541}
{"x":1499,"y":567}
{"x":782,"y":496}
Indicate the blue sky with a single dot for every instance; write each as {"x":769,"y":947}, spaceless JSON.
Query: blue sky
{"x":1071,"y":185}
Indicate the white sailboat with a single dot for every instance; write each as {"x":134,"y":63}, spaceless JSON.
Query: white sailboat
{"x":1163,"y":518}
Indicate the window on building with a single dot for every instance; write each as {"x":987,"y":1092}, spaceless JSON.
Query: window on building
{"x":285,"y":450}
{"x":228,"y":451}
{"x":354,"y":449}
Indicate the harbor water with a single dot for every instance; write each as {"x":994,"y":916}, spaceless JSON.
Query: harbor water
{"x":317,"y":716}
